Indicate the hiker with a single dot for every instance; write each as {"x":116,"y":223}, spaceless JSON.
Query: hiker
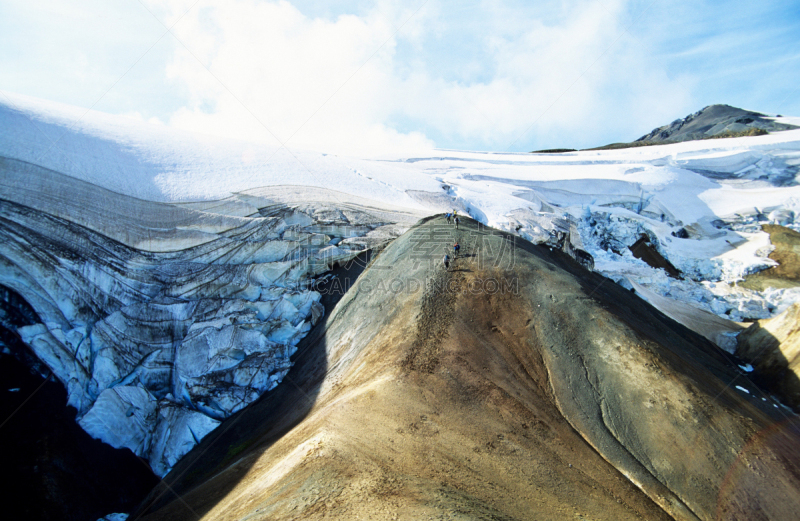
{"x":446,"y":262}
{"x":455,"y":213}
{"x":457,"y":221}
{"x":456,"y":248}
{"x":447,"y":216}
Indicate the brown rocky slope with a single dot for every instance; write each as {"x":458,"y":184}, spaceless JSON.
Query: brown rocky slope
{"x":772,"y":346}
{"x":518,"y":385}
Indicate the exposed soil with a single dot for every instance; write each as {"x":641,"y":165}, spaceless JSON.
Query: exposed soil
{"x":434,"y":321}
{"x":772,"y":346}
{"x":786,"y":254}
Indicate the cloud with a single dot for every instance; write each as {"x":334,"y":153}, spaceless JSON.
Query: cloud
{"x":361,"y":83}
{"x":266,"y":71}
{"x":368,"y":76}
{"x":138,"y":116}
{"x":87,"y":53}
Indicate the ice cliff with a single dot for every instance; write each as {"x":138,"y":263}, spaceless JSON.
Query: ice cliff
{"x":163,"y":320}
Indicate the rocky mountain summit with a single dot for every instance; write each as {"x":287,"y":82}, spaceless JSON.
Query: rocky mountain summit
{"x":715,"y":121}
{"x":515,"y":385}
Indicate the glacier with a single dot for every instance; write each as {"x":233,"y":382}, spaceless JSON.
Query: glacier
{"x":161,"y":321}
{"x":156,"y":347}
{"x":172,"y":273}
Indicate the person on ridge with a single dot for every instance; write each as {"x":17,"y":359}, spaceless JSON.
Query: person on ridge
{"x":446,"y":262}
{"x":457,"y":221}
{"x":456,"y":248}
{"x":447,"y":216}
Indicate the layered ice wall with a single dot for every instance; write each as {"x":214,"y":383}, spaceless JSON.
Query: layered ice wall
{"x":162,"y":319}
{"x":156,"y":346}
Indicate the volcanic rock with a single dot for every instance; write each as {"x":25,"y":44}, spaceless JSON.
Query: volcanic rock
{"x":714,"y":120}
{"x":786,"y":254}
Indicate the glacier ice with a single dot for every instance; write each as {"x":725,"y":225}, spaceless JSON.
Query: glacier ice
{"x":156,"y":348}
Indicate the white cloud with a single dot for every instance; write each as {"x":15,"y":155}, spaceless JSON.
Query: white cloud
{"x":480,"y":74}
{"x":563,"y":83}
{"x":87,"y":53}
{"x":276,"y":74}
{"x":138,"y":116}
{"x":356,"y":84}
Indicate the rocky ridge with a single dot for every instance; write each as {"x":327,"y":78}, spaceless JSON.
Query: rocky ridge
{"x":714,"y":121}
{"x":516,"y":384}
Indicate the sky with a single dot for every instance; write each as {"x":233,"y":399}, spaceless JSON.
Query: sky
{"x":370,"y":77}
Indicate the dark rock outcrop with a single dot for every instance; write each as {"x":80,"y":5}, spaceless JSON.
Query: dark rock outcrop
{"x":515,"y":385}
{"x":54,"y":469}
{"x":786,"y":253}
{"x":643,"y":249}
{"x":712,"y":121}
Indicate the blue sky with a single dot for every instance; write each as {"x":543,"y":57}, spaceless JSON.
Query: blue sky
{"x":366,"y":76}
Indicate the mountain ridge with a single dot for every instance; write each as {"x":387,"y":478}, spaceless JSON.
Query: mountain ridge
{"x":714,"y":121}
{"x":710,"y":122}
{"x":563,"y":395}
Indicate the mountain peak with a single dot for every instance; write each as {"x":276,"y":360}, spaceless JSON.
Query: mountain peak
{"x":717,"y":120}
